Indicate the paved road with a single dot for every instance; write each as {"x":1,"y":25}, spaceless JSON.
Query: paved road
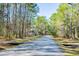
{"x":45,"y":46}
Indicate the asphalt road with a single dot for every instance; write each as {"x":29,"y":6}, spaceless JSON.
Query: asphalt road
{"x":44,"y":46}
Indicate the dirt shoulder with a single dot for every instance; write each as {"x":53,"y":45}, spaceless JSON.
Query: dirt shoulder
{"x":70,"y":47}
{"x":4,"y":44}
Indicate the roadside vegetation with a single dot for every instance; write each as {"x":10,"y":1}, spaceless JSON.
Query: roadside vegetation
{"x":65,"y":23}
{"x":15,"y":20}
{"x":16,"y":23}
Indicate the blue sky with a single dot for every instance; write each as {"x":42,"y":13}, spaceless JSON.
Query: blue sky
{"x":46,"y":9}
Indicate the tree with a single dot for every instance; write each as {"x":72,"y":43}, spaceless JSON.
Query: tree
{"x":40,"y":25}
{"x":16,"y":19}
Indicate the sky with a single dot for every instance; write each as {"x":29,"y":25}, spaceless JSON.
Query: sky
{"x":46,"y":9}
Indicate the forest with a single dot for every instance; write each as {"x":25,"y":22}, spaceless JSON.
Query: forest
{"x":63,"y":23}
{"x":21,"y":20}
{"x":16,"y":19}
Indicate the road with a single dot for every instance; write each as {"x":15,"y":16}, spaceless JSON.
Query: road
{"x":44,"y":46}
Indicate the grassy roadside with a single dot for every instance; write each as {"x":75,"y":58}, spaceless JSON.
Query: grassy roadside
{"x":70,"y":47}
{"x":27,"y":39}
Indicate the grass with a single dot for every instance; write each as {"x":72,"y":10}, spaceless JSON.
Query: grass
{"x":70,"y":47}
{"x":27,"y":39}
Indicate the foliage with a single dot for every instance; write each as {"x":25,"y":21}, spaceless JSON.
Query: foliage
{"x":65,"y":20}
{"x":15,"y":19}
